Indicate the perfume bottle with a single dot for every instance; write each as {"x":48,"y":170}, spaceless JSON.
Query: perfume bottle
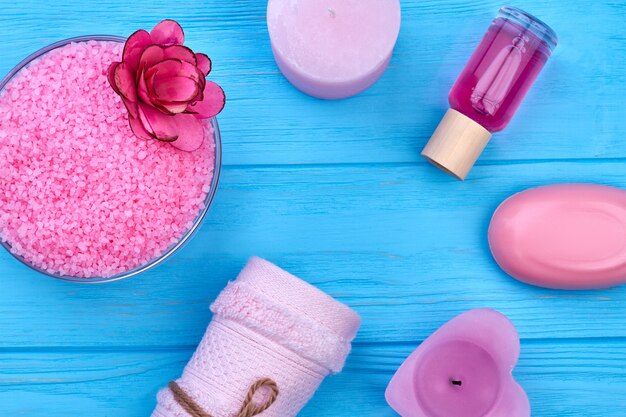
{"x":490,"y":89}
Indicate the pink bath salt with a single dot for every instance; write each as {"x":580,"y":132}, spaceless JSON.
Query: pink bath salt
{"x":80,"y":195}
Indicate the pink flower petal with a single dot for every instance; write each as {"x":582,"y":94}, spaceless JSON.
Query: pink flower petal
{"x":180,"y":52}
{"x":137,"y":127}
{"x":171,"y":107}
{"x":148,"y":84}
{"x":174,"y":68}
{"x":197,"y":98}
{"x":111,"y":76}
{"x":200,"y":95}
{"x":171,"y":85}
{"x":161,"y":126}
{"x":172,"y":89}
{"x":131,"y":107}
{"x":190,"y":132}
{"x":212,"y":104}
{"x":125,"y":81}
{"x":168,"y":68}
{"x":151,"y":56}
{"x":203,"y":63}
{"x":168,"y":32}
{"x":142,"y":89}
{"x":134,"y":47}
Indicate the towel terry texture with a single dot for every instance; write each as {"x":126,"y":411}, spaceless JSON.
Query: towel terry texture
{"x":266,"y":324}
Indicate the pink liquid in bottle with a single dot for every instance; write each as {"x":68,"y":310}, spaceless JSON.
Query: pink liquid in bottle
{"x":490,"y":89}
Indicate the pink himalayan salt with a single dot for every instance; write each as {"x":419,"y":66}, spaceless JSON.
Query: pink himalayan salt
{"x":80,"y":195}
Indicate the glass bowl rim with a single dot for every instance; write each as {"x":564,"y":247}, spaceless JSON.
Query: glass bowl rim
{"x":188,"y":234}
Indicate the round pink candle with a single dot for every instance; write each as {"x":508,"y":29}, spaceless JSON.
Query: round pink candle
{"x":333,"y":49}
{"x":462,"y":370}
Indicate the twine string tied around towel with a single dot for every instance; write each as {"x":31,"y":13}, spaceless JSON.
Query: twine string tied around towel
{"x":249,"y":408}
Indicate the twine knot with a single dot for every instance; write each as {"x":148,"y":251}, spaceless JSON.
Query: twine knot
{"x":248,"y":409}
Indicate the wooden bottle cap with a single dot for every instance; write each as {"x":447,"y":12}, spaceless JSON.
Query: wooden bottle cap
{"x":456,"y":144}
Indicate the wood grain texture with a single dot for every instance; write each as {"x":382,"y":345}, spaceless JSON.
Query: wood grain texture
{"x":336,"y":193}
{"x":74,"y":382}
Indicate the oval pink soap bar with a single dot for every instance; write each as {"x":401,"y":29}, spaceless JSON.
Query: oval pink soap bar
{"x":567,"y":236}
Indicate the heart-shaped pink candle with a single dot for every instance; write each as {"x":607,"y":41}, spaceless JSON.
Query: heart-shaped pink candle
{"x":462,"y":370}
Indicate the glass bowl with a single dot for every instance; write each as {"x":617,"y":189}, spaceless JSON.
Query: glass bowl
{"x":196,"y":224}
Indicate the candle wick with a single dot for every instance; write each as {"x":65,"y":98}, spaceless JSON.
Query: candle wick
{"x":456,"y":382}
{"x":331,"y":12}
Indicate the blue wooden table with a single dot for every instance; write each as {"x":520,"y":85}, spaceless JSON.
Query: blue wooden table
{"x":337,"y":193}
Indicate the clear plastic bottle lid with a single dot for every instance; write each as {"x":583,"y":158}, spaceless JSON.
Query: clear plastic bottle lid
{"x":530,"y":22}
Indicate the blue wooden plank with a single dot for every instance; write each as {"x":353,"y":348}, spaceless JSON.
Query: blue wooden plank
{"x":392,"y":241}
{"x":574,"y":379}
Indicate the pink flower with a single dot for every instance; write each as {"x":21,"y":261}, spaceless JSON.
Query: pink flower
{"x":162,"y":84}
